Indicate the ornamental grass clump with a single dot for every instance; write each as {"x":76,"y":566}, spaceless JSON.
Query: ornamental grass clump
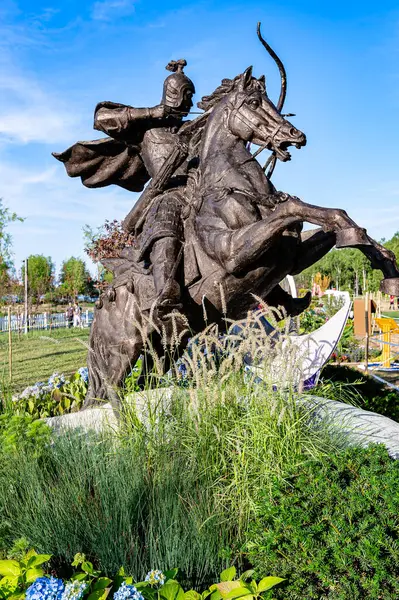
{"x":180,"y":482}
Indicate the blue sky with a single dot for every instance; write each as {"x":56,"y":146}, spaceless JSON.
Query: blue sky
{"x":58,"y":59}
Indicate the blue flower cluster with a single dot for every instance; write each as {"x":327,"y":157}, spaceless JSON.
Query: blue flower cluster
{"x":84,"y":374}
{"x":155,"y":577}
{"x":56,"y":380}
{"x":45,"y":588}
{"x":38,"y":390}
{"x":127,"y":592}
{"x":74,"y":590}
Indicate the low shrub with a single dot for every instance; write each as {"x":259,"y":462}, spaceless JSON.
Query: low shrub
{"x":22,"y":434}
{"x":59,"y":396}
{"x":332,"y":528}
{"x":368,"y":393}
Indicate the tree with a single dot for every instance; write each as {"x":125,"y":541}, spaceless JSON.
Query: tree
{"x":74,"y":277}
{"x":40,"y":276}
{"x":6,"y":264}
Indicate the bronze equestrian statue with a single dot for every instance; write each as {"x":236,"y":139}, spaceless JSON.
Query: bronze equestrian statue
{"x":210,"y":231}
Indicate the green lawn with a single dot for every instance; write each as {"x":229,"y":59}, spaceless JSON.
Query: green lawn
{"x":38,"y":354}
{"x":394,"y":314}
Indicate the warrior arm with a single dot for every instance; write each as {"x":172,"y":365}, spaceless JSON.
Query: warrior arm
{"x":114,"y":119}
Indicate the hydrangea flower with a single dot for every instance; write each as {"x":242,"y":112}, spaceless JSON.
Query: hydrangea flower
{"x":74,"y":590}
{"x":45,"y":588}
{"x":127,"y":592}
{"x":84,"y":374}
{"x":155,"y":577}
{"x":56,"y":380}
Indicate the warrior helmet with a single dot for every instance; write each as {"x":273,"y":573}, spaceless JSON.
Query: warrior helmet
{"x":176,"y":84}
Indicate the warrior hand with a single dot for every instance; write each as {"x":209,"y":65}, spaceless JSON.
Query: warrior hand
{"x":158,"y":112}
{"x":161,"y":111}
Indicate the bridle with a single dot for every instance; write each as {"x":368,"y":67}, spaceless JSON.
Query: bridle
{"x":239,"y":116}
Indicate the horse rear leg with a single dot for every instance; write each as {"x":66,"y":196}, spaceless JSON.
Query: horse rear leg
{"x":114,"y":347}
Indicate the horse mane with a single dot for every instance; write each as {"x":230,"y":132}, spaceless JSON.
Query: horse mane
{"x":226,"y":87}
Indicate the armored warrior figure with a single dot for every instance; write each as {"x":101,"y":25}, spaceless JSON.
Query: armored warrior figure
{"x":141,"y":142}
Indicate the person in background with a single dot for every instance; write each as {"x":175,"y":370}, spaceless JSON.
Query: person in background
{"x":391,"y":302}
{"x":69,"y":315}
{"x":77,"y":315}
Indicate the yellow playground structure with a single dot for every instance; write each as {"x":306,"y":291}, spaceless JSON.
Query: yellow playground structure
{"x":388,"y":327}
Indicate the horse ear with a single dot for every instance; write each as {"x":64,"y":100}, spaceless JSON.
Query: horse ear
{"x":262,"y":81}
{"x":247,"y":77}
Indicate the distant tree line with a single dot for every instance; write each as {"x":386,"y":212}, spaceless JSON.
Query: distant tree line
{"x":43,"y":285}
{"x":345,"y":269}
{"x":348,"y":269}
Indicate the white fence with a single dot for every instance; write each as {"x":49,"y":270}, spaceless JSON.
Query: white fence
{"x":44,"y":321}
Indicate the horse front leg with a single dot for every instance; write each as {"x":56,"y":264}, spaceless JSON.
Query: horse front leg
{"x":348,"y":234}
{"x":315,"y":243}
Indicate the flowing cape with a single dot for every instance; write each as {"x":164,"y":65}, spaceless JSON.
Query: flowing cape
{"x":105,"y":162}
{"x":108,"y":161}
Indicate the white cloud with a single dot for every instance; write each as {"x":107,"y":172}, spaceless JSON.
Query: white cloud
{"x":28,"y":113}
{"x":55,"y":208}
{"x":107,"y":10}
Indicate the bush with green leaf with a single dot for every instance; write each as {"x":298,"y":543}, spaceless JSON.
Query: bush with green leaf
{"x":22,"y":434}
{"x":17,"y":575}
{"x":25,"y":578}
{"x":332,"y":528}
{"x":56,"y":397}
{"x":367,"y":393}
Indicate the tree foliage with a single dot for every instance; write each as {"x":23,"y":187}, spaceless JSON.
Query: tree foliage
{"x":6,"y":264}
{"x":348,"y":269}
{"x":74,"y":277}
{"x":40,"y":275}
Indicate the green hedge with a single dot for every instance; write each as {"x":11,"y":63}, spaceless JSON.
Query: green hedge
{"x":332,"y":529}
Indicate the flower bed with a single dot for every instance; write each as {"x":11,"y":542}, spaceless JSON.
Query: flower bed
{"x":55,"y":397}
{"x":26,"y":579}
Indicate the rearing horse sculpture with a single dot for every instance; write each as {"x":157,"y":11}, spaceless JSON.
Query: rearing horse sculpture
{"x":241,"y":236}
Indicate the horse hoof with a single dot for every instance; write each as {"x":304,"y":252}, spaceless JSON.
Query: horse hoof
{"x":352,"y":236}
{"x":390,"y":286}
{"x":300,"y":304}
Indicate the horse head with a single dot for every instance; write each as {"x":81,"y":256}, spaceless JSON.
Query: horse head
{"x":251,"y":116}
